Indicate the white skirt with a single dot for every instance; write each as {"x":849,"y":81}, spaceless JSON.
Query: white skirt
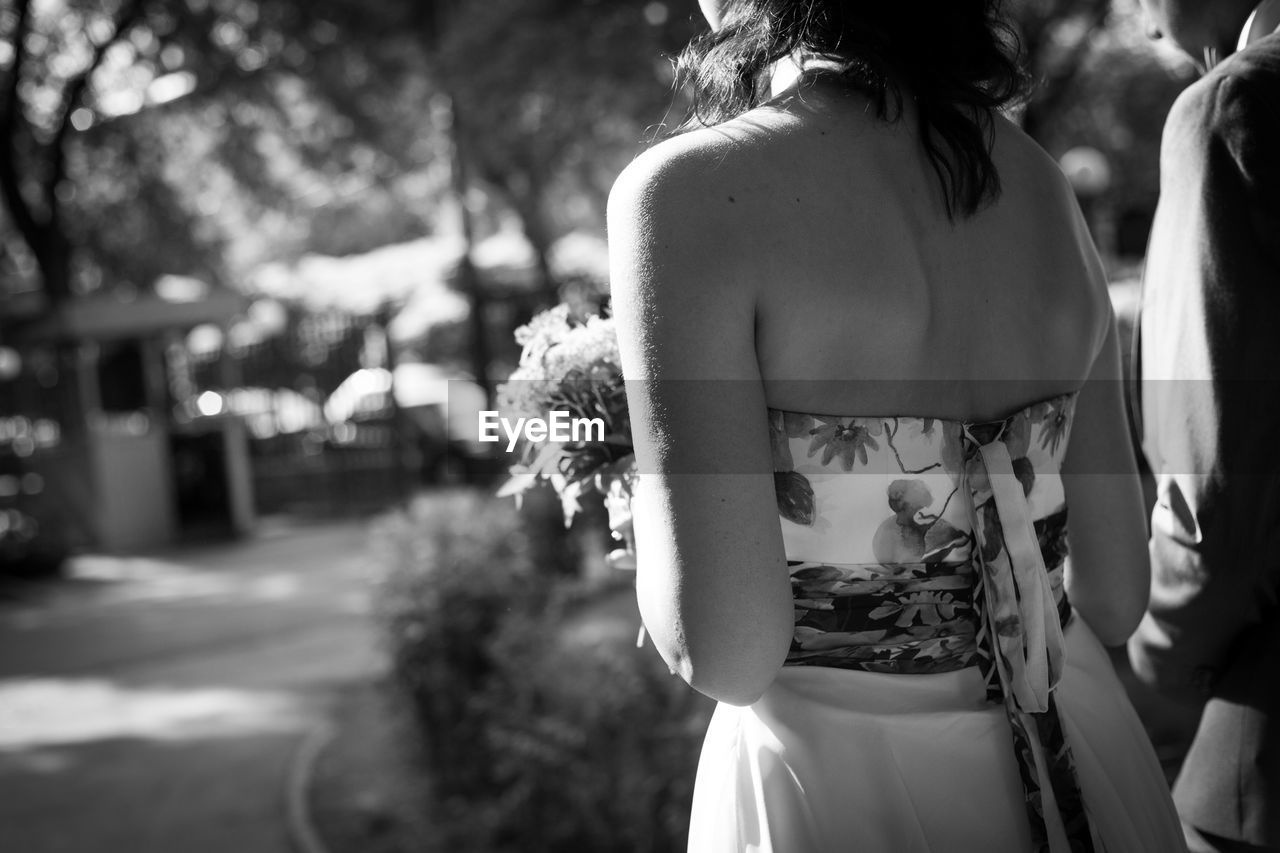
{"x":841,"y":760}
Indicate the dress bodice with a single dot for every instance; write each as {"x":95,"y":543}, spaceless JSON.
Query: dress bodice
{"x":889,"y":521}
{"x":881,"y":494}
{"x":925,"y":545}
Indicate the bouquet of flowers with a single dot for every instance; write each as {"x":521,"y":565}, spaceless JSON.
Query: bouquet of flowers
{"x":571,"y":365}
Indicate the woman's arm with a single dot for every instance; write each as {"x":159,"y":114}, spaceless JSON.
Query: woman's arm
{"x":712,"y":578}
{"x":1109,"y":575}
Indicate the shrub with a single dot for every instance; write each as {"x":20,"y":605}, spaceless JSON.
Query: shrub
{"x":455,"y":564}
{"x":595,"y":743}
{"x":544,"y":728}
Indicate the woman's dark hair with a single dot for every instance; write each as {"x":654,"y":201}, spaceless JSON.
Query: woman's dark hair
{"x":956,"y":59}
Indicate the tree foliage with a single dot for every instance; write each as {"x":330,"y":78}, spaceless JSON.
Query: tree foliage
{"x":139,"y":137}
{"x":556,"y":95}
{"x":128,"y":124}
{"x":204,"y":137}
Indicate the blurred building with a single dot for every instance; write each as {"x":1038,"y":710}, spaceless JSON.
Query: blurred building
{"x":88,"y":427}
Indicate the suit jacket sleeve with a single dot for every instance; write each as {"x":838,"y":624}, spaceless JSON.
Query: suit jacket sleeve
{"x":1210,"y":353}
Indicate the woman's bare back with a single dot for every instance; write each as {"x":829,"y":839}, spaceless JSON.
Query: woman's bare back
{"x":800,"y":258}
{"x":869,"y":299}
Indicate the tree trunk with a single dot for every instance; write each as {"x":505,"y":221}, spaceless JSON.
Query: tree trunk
{"x":528,"y":204}
{"x":52,"y":251}
{"x":467,"y":277}
{"x":548,"y":286}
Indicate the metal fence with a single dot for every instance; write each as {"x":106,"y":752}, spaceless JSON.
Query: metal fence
{"x":300,"y":462}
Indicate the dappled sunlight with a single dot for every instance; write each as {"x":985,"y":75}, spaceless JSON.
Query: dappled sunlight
{"x":38,"y":713}
{"x":59,"y":606}
{"x":145,"y":579}
{"x":44,"y":762}
{"x":92,"y":567}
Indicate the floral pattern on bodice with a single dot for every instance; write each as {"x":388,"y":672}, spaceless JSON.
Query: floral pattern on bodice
{"x":920,"y":545}
{"x":900,"y":506}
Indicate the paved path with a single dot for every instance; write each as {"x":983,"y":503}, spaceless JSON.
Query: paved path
{"x":155,"y":704}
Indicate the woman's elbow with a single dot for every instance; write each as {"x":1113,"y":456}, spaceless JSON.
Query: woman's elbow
{"x":733,"y":670}
{"x":732,"y":685}
{"x":1108,"y":575}
{"x":1114,"y":617}
{"x":1113,"y":633}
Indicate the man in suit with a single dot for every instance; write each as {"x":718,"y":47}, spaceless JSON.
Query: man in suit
{"x":1209,"y":363}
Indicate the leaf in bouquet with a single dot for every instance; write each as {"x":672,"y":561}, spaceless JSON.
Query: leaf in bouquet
{"x":616,"y":401}
{"x":547,"y":461}
{"x":582,"y":463}
{"x":622,"y":429}
{"x":601,"y":400}
{"x":518,"y":484}
{"x":618,"y":474}
{"x":569,"y":494}
{"x":568,"y":388}
{"x":563,"y":402}
{"x":618,"y":439}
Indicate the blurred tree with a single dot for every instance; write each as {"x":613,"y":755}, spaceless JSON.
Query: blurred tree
{"x":1056,"y":36}
{"x":50,"y":59}
{"x":144,"y":137}
{"x":139,"y":137}
{"x":553,"y":97}
{"x":1101,"y":83}
{"x":543,"y":102}
{"x":214,"y":132}
{"x":98,"y":99}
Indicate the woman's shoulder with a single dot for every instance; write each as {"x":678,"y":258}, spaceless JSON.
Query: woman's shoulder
{"x":680,"y":286}
{"x":702,"y":168}
{"x":681,"y":202}
{"x":1035,"y":189}
{"x":1037,"y":194}
{"x":1023,"y":162}
{"x":671,"y":213}
{"x":667,"y":176}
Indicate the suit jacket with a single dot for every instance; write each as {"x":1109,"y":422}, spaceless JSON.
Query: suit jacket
{"x":1209,"y":362}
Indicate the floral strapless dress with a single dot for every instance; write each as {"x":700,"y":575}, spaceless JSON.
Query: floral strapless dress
{"x":939,"y":694}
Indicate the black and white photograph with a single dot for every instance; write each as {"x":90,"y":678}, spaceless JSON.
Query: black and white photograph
{"x":639,"y":426}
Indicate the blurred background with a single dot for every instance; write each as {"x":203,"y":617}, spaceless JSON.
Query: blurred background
{"x":260,"y":263}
